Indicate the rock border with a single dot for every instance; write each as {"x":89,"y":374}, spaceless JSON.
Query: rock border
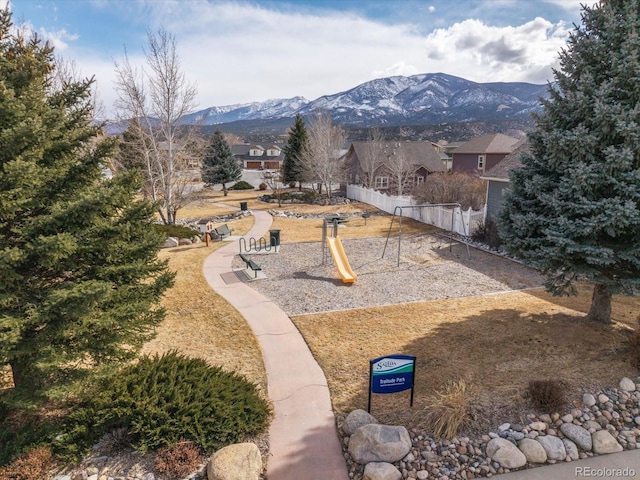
{"x":608,"y":422}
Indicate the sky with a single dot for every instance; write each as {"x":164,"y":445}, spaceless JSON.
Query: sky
{"x":237,"y":51}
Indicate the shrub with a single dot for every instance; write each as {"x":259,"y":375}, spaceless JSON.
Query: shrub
{"x":241,"y":185}
{"x":178,"y":231}
{"x":447,"y":410}
{"x":24,"y":429}
{"x":546,"y":395}
{"x":488,"y":234}
{"x":36,"y":463}
{"x":115,"y":441}
{"x":178,"y":460}
{"x":292,"y":184}
{"x":463,"y":188}
{"x":263,"y":186}
{"x":162,"y":399}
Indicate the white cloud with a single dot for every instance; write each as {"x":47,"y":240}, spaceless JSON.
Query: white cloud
{"x":431,"y":8}
{"x":58,"y":38}
{"x":483,"y":53}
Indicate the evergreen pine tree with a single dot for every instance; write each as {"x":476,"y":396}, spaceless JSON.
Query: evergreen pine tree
{"x":292,"y":170}
{"x":219,"y":165}
{"x":574,"y":206}
{"x":80,"y":281}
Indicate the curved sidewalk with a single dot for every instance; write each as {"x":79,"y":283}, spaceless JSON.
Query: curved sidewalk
{"x":303,"y":442}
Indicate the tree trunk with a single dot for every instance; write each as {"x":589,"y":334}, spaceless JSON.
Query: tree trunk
{"x":224,"y":189}
{"x":300,"y":186}
{"x":23,"y":375}
{"x":600,"y":310}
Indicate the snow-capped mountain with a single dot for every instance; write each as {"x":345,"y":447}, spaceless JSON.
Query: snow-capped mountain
{"x":274,"y":108}
{"x":430,"y":98}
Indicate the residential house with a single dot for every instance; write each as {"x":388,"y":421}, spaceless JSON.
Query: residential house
{"x":498,"y":178}
{"x":480,"y":154}
{"x":257,"y":157}
{"x":445,"y":150}
{"x":423,"y":157}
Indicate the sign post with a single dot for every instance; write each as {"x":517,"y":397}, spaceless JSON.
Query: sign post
{"x":391,"y":374}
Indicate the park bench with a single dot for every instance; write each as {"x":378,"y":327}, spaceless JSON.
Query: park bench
{"x":223,"y":231}
{"x":251,"y":264}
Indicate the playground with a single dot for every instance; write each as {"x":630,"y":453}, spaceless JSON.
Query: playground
{"x":430,"y":268}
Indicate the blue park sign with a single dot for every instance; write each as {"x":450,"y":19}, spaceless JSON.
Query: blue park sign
{"x":391,"y":374}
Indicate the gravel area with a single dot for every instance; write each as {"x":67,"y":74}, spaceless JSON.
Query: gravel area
{"x":299,"y":283}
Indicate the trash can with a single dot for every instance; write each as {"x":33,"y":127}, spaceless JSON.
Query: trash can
{"x":274,"y":235}
{"x":243,"y":206}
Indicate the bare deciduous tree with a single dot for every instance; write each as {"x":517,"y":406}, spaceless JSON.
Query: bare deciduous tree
{"x":373,"y":157}
{"x":153,"y":100}
{"x":401,"y":167}
{"x":321,"y":160}
{"x":462,"y":188}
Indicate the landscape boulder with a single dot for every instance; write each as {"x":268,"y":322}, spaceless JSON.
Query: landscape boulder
{"x":241,"y":461}
{"x":571,"y":448}
{"x":532,"y":450}
{"x":627,"y":385}
{"x":604,"y":442}
{"x":170,"y":243}
{"x":553,"y":446}
{"x":356,"y":419}
{"x":379,"y":443}
{"x":579,"y":435}
{"x":381,"y":471}
{"x":506,"y":453}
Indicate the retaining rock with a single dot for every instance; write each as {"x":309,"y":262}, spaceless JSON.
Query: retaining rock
{"x":379,"y":443}
{"x":506,"y":453}
{"x":241,"y":461}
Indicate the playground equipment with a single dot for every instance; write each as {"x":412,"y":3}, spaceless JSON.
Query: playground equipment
{"x":334,"y":246}
{"x":260,"y":244}
{"x":455,"y":209}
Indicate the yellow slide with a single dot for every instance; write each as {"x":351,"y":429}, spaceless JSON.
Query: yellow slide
{"x":340,"y":260}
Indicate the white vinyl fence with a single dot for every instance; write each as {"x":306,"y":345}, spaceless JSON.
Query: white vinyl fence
{"x":464,"y":223}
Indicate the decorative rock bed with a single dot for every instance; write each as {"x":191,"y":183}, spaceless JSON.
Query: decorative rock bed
{"x":608,"y":422}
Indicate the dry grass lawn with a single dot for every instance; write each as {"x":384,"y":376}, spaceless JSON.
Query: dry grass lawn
{"x":496,"y":344}
{"x":200,"y":323}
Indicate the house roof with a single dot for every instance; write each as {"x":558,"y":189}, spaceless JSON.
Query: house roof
{"x":508,"y":163}
{"x":424,"y":153}
{"x":241,"y":151}
{"x":492,"y":143}
{"x":240,"y":148}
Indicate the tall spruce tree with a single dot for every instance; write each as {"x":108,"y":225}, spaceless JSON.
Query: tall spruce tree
{"x":292,"y":169}
{"x":80,"y":281}
{"x":219,"y":165}
{"x":574,"y":206}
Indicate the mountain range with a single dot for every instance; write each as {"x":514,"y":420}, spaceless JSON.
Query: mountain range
{"x":424,"y":99}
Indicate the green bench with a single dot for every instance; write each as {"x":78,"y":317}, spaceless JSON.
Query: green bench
{"x":251,"y":264}
{"x":223,"y":231}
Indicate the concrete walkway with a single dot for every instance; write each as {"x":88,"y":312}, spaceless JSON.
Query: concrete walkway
{"x":615,"y":466}
{"x":303,"y":439}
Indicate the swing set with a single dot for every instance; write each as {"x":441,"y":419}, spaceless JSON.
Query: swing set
{"x":456,"y":208}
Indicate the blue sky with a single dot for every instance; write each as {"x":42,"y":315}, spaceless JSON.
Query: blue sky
{"x":244,"y":51}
